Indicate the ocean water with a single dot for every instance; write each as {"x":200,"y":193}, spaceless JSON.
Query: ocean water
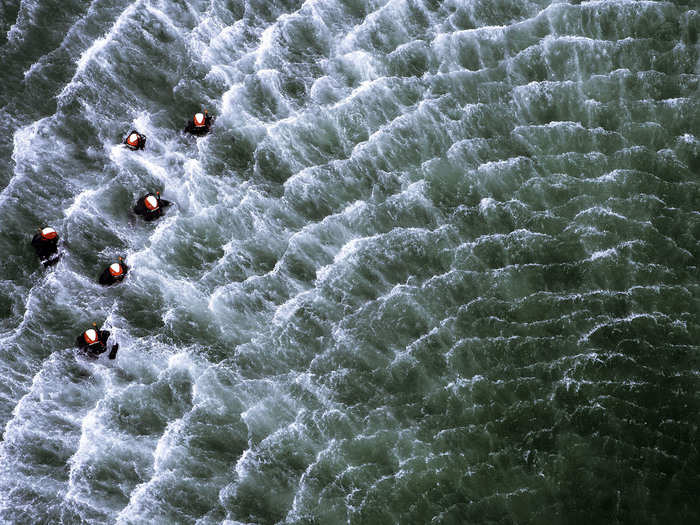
{"x":437,"y":262}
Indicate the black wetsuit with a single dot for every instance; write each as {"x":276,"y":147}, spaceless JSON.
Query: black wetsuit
{"x":203,"y":130}
{"x":100,"y":347}
{"x":45,"y":248}
{"x":141,"y":144}
{"x":150,"y":215}
{"x":107,"y":278}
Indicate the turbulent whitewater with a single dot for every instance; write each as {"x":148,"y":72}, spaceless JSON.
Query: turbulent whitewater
{"x":437,"y":262}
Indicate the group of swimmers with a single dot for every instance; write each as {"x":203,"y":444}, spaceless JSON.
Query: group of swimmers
{"x":151,"y":206}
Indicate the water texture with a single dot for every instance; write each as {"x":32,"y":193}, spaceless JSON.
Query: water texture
{"x":436,"y":263}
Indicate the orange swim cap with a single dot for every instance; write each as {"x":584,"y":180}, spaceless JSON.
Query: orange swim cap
{"x":151,"y":203}
{"x":133,"y":139}
{"x":115,"y":269}
{"x":48,"y":233}
{"x":91,"y":336}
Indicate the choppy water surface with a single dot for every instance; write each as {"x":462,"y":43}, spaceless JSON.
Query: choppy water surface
{"x":437,"y":262}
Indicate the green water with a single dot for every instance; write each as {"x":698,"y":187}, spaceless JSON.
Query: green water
{"x":437,"y":262}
